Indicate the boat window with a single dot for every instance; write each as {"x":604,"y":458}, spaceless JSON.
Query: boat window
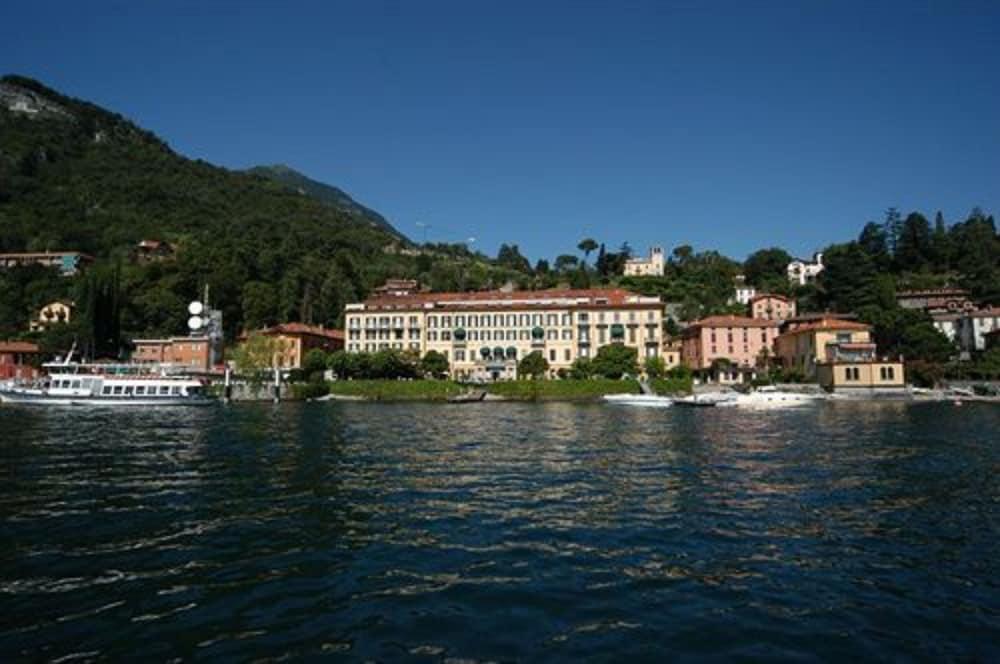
{"x":118,"y":389}
{"x":76,"y":384}
{"x":175,"y":390}
{"x":129,"y":390}
{"x":141,"y":389}
{"x":106,"y":390}
{"x":164,"y":389}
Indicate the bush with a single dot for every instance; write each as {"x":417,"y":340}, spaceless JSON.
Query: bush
{"x":310,"y":390}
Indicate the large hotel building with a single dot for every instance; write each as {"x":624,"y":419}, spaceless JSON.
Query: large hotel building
{"x":485,"y":334}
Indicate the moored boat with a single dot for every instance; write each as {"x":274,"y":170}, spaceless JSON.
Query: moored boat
{"x":647,"y":400}
{"x":76,"y":384}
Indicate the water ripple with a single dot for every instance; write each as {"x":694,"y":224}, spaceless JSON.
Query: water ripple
{"x":500,"y":532}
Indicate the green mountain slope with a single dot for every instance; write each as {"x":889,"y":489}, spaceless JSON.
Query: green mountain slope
{"x":74,"y":176}
{"x":325,"y":193}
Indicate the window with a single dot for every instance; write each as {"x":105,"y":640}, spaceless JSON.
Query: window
{"x":129,"y":390}
{"x":552,"y":355}
{"x":76,"y":385}
{"x":460,"y":355}
{"x":852,"y":374}
{"x":174,"y":390}
{"x":118,"y":389}
{"x":140,"y":390}
{"x":567,"y":354}
{"x":164,"y":390}
{"x":887,"y":373}
{"x":106,"y":390}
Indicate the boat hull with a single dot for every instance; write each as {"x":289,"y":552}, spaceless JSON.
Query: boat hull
{"x":644,"y":400}
{"x":30,"y":398}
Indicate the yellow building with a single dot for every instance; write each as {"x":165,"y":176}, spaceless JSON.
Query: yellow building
{"x":485,"y":334}
{"x":837,"y":353}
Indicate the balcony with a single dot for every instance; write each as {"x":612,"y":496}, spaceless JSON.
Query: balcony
{"x":851,"y":352}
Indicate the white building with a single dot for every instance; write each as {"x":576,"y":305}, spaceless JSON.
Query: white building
{"x":972,"y":328}
{"x":743,"y":292}
{"x":646,"y":267}
{"x":802,"y":272}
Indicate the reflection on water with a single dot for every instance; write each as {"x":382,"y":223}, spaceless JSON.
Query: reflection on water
{"x":500,"y":531}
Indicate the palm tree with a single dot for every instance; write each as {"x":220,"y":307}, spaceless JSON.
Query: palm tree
{"x":587,"y":245}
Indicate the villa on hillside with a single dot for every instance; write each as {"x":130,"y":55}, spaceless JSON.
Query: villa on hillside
{"x":53,"y":313}
{"x":646,"y":267}
{"x":742,"y":292}
{"x":839,"y":354}
{"x":771,"y":306}
{"x":802,"y":272}
{"x":68,"y":263}
{"x":484,"y":334}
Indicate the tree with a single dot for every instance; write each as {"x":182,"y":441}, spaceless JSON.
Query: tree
{"x":655,"y":367}
{"x":587,"y":245}
{"x":893,"y":226}
{"x":873,"y":241}
{"x":258,"y":353}
{"x":615,"y":360}
{"x":533,"y":365}
{"x":682,"y":253}
{"x":848,"y":280}
{"x":260,"y":305}
{"x":913,"y":248}
{"x":434,"y":364}
{"x":767,"y":267}
{"x":392,"y":364}
{"x":314,"y":362}
{"x":510,"y":256}
{"x":940,"y":244}
{"x":566,"y":262}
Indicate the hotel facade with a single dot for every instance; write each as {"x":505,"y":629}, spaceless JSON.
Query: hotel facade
{"x":484,"y":334}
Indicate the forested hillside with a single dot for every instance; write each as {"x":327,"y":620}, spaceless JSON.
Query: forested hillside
{"x":74,"y":176}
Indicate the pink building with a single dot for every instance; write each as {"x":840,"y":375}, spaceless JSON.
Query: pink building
{"x":735,"y":338}
{"x":770,"y":306}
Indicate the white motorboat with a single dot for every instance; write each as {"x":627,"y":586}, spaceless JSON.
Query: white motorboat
{"x":707,"y":399}
{"x":647,"y":400}
{"x":75,"y":384}
{"x":772,"y":397}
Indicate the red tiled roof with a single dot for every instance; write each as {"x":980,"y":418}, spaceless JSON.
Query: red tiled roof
{"x":294,"y":329}
{"x":770,"y":296}
{"x":614,"y":296}
{"x":829,"y":324}
{"x":18,"y":347}
{"x":732,"y":321}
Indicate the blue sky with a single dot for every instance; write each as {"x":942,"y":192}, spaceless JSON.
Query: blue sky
{"x":723,"y":125}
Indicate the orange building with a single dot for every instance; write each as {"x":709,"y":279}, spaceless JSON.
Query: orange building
{"x":191,"y":353}
{"x":16,"y":358}
{"x":297,"y":339}
{"x":739,"y":339}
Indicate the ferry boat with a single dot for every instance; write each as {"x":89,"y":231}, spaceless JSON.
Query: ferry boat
{"x":76,"y":384}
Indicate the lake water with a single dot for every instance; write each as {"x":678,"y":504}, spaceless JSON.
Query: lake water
{"x":501,"y":532}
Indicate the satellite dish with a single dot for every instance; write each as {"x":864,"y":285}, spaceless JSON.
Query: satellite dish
{"x":195,"y":308}
{"x":196,"y":322}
